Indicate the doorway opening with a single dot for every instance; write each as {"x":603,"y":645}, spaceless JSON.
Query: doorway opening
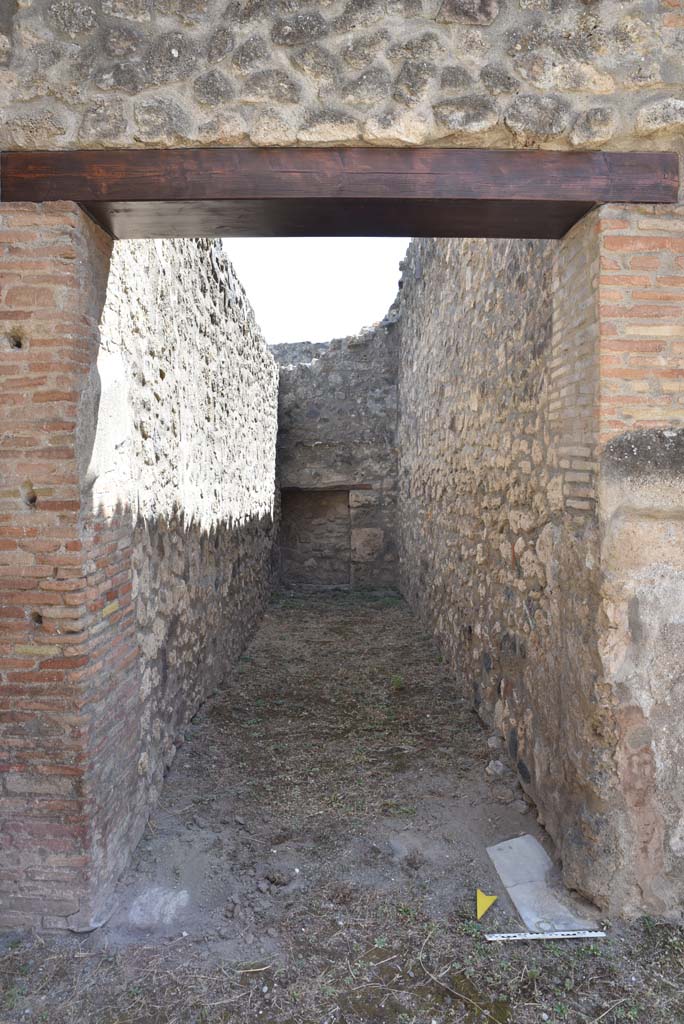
{"x":315,"y":539}
{"x":99,"y":648}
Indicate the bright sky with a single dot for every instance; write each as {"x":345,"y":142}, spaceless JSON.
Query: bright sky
{"x":315,"y":289}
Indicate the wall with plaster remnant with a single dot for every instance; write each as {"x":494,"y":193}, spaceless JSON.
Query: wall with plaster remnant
{"x":337,"y":433}
{"x":185,"y":439}
{"x":138,"y":461}
{"x":642,"y":648}
{"x":540,"y":499}
{"x":560,"y":74}
{"x":641,"y":509}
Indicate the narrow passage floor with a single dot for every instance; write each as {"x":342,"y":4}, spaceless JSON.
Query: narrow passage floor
{"x":340,"y":775}
{"x":315,"y":856}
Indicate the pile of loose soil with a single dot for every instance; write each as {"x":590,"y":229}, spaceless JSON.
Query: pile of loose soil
{"x":315,"y":856}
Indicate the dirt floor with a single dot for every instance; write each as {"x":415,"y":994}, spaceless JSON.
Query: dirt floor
{"x":315,"y":857}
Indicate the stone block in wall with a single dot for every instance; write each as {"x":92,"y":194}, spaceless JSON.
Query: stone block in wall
{"x":364,"y":499}
{"x":367,"y":543}
{"x":370,"y":516}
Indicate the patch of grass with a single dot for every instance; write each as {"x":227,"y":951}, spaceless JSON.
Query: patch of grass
{"x":398,"y":809}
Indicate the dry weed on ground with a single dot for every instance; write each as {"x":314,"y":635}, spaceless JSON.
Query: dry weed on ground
{"x":319,"y":839}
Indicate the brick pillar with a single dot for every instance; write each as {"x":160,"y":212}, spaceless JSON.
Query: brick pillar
{"x":619,"y":420}
{"x":641,"y":306}
{"x":641,"y":515}
{"x":64,"y":579}
{"x":615,"y":560}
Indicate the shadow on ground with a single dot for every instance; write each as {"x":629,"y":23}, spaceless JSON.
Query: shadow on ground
{"x":315,"y":858}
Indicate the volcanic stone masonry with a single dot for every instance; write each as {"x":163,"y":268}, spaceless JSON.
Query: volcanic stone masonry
{"x":136,"y":517}
{"x":561,"y":74}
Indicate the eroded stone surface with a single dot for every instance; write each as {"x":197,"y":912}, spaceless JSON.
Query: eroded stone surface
{"x":182,"y":426}
{"x":642,"y":649}
{"x":594,"y":126}
{"x":213,"y":88}
{"x":469,"y":12}
{"x":541,"y":69}
{"x":535,"y":118}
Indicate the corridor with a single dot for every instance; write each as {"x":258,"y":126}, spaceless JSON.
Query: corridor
{"x":314,"y":858}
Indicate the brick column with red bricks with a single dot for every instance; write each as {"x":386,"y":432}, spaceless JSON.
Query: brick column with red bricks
{"x":641,"y":515}
{"x":67,"y":646}
{"x":641,"y":315}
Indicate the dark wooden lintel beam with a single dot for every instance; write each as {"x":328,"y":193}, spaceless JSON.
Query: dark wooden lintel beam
{"x":143,"y":193}
{"x":188,"y":174}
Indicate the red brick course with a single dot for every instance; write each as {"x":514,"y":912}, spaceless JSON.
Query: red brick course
{"x":641,"y":318}
{"x":618,"y":337}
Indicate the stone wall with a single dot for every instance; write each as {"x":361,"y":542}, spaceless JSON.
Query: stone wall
{"x":546,"y":563}
{"x":337,"y":425}
{"x":138,"y":501}
{"x":503,"y":73}
{"x":496,"y":541}
{"x":185,"y":443}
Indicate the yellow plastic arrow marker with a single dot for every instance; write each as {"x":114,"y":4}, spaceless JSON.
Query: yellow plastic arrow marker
{"x":484,"y":902}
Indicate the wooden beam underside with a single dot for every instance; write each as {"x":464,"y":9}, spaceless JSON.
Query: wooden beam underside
{"x":271,"y":192}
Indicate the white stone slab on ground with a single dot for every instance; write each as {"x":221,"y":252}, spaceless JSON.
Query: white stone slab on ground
{"x":536,"y":889}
